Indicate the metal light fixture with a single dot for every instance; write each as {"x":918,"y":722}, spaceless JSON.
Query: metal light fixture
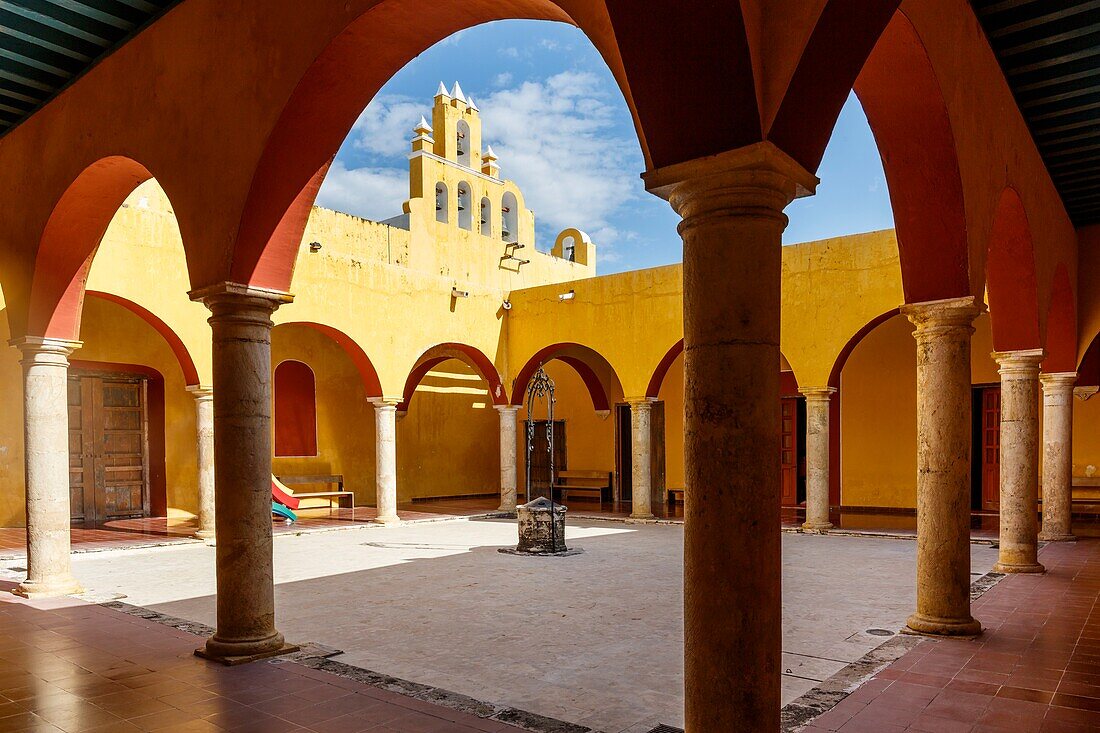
{"x":456,"y":293}
{"x":314,"y":246}
{"x":567,"y":296}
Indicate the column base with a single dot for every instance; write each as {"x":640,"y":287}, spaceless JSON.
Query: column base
{"x":502,"y":509}
{"x":933,"y":626}
{"x":1057,"y":538}
{"x":206,"y":535}
{"x":1011,"y":567}
{"x":817,"y":527}
{"x":641,"y":519}
{"x":52,"y":588}
{"x":232,"y":653}
{"x":388,"y":521}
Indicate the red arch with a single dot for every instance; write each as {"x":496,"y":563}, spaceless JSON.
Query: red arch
{"x":596,"y":372}
{"x":857,"y":337}
{"x":183,"y":356}
{"x":658,"y":378}
{"x":907,"y":114}
{"x":1010,"y":278}
{"x":1061,"y":343}
{"x":467,"y":354}
{"x":371,"y":384}
{"x":69,"y":240}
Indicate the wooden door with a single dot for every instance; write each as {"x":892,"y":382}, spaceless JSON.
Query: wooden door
{"x":108,"y":447}
{"x":991,"y":448}
{"x":623,"y":454}
{"x":540,"y":458}
{"x":788,"y":451}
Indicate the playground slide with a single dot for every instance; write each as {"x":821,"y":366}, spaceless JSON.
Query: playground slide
{"x":283,"y":495}
{"x":282,"y":511}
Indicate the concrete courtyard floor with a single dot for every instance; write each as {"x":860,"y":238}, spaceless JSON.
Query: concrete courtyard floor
{"x":593,"y":639}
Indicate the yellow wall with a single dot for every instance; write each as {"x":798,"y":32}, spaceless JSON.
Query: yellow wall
{"x":448,"y":443}
{"x":12,"y":512}
{"x":672,"y":394}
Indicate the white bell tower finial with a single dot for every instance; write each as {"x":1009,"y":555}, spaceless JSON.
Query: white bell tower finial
{"x":456,"y":93}
{"x":442,"y":91}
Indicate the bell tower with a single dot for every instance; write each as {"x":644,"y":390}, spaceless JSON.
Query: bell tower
{"x":456,"y":127}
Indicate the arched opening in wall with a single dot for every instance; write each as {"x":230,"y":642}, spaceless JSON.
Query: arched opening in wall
{"x":486,"y":221}
{"x":509,"y":218}
{"x":295,"y":416}
{"x":876,"y":458}
{"x":465,"y":206}
{"x":592,"y":433}
{"x":132,"y":430}
{"x":448,"y":427}
{"x":442,"y":203}
{"x":344,"y":382}
{"x":462,"y":143}
{"x":666,"y":387}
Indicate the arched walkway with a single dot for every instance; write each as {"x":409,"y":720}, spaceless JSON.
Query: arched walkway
{"x":469,"y":355}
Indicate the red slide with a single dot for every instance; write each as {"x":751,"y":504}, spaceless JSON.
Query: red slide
{"x":282,"y":494}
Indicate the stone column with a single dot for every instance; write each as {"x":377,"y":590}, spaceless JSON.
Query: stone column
{"x":818,"y":400}
{"x":507,"y":457}
{"x":1057,"y":456}
{"x":204,"y":428}
{"x":641,"y":461}
{"x":385,"y":431}
{"x":1019,"y":489}
{"x":732,"y":210}
{"x":943,"y":330}
{"x":241,"y":328}
{"x":46,"y":466}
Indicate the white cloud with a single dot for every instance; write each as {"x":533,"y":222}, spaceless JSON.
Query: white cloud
{"x":510,"y":52}
{"x":385,"y":126}
{"x":557,"y":139}
{"x":372,"y":193}
{"x":502,"y":79}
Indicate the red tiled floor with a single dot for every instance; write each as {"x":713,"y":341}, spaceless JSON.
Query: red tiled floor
{"x":1035,"y":668}
{"x":80,"y":668}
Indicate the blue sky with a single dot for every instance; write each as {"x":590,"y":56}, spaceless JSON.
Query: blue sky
{"x":559,"y":125}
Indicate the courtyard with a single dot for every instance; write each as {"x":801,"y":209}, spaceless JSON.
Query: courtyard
{"x":593,"y":639}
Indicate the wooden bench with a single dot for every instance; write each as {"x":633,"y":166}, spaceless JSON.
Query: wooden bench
{"x":331,"y":479}
{"x":597,"y":483}
{"x":675,"y":495}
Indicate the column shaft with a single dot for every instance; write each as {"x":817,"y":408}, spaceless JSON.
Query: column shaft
{"x":385,"y":426}
{"x":818,"y":400}
{"x":204,"y":429}
{"x":46,"y":465}
{"x":1057,"y":456}
{"x":507,"y":457}
{"x":1019,"y":489}
{"x":731,"y":205}
{"x":943,"y":330}
{"x":241,"y":327}
{"x":641,"y":461}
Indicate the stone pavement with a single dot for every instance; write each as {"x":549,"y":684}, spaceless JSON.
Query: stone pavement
{"x":594,"y":639}
{"x":66,"y":665}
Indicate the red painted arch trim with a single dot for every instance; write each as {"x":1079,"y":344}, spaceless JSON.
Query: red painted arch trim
{"x":371,"y":384}
{"x":464,"y":353}
{"x":601,"y":400}
{"x":183,"y":356}
{"x":69,"y":241}
{"x":1061,"y":341}
{"x":658,"y":378}
{"x":1010,"y":277}
{"x":842,"y":357}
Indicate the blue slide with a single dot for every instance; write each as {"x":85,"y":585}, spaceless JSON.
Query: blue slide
{"x":282,"y":511}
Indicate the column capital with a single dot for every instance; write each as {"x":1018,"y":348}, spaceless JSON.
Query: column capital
{"x":758,"y":176}
{"x":383,"y":403}
{"x":1058,"y":380}
{"x":33,"y":346}
{"x":201,"y":391}
{"x":507,"y":408}
{"x":823,"y":394}
{"x":1021,"y":363}
{"x":939,"y":317}
{"x":229,"y":298}
{"x":639,"y":403}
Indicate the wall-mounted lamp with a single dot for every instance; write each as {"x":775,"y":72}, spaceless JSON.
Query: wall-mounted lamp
{"x":314,"y":246}
{"x":456,"y":293}
{"x":567,"y":296}
{"x":506,"y":305}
